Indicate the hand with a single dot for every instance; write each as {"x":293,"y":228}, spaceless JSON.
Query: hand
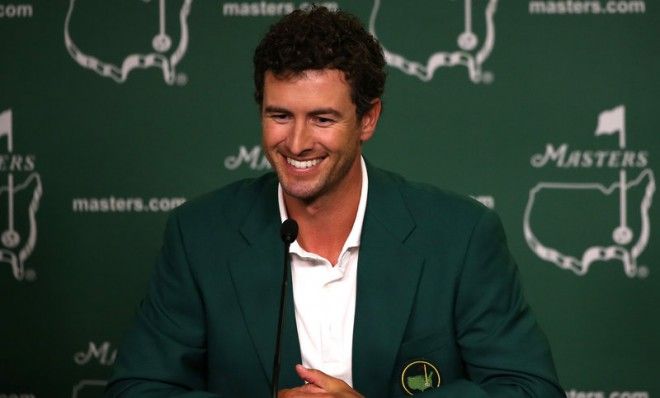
{"x":319,"y":385}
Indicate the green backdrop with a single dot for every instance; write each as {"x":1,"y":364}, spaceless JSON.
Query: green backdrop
{"x":114,"y":112}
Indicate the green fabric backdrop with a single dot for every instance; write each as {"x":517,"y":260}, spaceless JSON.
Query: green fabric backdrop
{"x":114,"y":112}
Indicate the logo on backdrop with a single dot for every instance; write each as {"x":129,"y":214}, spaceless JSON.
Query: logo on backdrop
{"x":20,"y":193}
{"x":161,"y":52}
{"x":88,"y":388}
{"x":253,"y":158}
{"x":468,"y":48}
{"x":103,"y":353}
{"x":18,"y":11}
{"x":620,"y":232}
{"x":269,"y":8}
{"x":486,"y":200}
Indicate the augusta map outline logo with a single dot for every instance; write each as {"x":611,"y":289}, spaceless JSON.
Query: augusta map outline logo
{"x":626,"y":243}
{"x":88,"y":388}
{"x":160,"y":56}
{"x":19,"y":202}
{"x":473,"y":50}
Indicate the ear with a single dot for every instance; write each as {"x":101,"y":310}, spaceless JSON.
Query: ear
{"x":370,"y":120}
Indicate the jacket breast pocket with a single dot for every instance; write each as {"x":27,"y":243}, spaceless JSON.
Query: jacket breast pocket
{"x":438,"y":349}
{"x":424,"y":345}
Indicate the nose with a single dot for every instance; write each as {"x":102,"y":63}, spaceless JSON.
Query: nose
{"x":299,"y":139}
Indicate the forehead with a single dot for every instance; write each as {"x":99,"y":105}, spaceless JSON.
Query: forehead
{"x":309,"y":86}
{"x":310,"y":74}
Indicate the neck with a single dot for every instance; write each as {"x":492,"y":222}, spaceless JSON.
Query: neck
{"x":325,"y":223}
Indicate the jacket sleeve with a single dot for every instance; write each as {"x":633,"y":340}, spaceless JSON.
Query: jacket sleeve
{"x":164,"y":353}
{"x":504,"y":351}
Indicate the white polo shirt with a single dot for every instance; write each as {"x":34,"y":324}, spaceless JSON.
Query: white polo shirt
{"x":324,"y":298}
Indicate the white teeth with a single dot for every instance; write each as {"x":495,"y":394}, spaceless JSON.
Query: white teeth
{"x":305,"y":164}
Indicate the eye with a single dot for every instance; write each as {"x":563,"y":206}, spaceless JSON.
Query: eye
{"x":279,"y":117}
{"x":323,"y":121}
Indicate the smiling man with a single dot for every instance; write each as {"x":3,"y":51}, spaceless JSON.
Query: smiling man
{"x":397,"y":288}
{"x":312,"y":136}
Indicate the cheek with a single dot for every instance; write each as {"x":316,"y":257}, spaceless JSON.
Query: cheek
{"x":344,"y":141}
{"x":272,"y":133}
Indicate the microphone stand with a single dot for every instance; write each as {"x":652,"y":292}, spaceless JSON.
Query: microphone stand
{"x":288,"y":233}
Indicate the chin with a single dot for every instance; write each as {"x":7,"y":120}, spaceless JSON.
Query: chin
{"x":306,"y":195}
{"x":307,"y":191}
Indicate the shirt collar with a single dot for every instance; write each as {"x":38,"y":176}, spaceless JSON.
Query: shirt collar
{"x":353,"y":239}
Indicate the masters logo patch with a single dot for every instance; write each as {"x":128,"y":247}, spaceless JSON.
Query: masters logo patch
{"x":418,"y":376}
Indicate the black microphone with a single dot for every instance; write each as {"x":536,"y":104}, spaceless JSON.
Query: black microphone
{"x":288,"y":233}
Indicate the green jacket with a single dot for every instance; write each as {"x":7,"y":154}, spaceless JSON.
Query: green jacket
{"x":435,"y":282}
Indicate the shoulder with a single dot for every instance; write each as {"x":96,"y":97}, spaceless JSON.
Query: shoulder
{"x":427,"y":203}
{"x":229,"y":204}
{"x":435,"y":218}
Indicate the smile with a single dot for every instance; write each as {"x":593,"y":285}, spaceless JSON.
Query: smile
{"x":304,"y":164}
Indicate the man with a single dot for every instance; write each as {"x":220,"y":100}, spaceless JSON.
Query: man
{"x":397,"y":288}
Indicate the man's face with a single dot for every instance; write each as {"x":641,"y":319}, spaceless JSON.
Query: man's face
{"x":311,"y":134}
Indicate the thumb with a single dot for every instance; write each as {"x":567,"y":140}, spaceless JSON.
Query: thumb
{"x":313,"y":376}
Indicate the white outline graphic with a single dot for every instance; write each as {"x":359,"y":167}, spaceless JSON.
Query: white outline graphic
{"x":467,"y":41}
{"x":161,"y":42}
{"x":609,"y":122}
{"x":10,"y":239}
{"x":104,"y":353}
{"x":87,"y":383}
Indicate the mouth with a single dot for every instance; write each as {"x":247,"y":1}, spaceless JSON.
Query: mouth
{"x":303,"y":164}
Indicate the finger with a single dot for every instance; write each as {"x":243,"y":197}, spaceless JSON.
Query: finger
{"x":311,"y":389}
{"x":305,"y":391}
{"x":318,"y":378}
{"x":312,"y":376}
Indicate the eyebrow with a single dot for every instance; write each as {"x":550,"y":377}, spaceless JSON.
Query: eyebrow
{"x":275,"y":109}
{"x":325,"y":111}
{"x":315,"y":112}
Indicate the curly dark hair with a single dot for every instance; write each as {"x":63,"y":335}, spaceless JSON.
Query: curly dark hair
{"x":317,"y":38}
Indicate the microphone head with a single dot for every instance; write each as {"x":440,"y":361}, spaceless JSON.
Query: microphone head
{"x":289,"y":231}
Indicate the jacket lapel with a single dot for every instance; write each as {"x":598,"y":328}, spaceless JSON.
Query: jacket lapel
{"x":388,"y":275}
{"x":257,"y":273}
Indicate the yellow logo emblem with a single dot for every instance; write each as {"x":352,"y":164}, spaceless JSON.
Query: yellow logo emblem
{"x":418,"y":376}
